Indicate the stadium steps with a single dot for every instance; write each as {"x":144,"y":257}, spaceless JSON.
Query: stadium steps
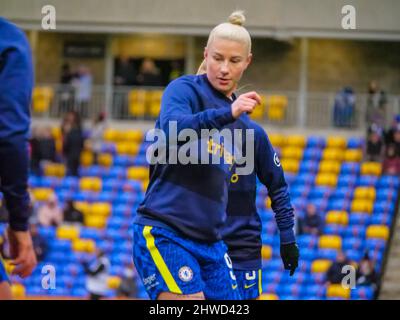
{"x":390,"y":289}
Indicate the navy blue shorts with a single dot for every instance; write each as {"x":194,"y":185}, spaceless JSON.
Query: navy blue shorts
{"x":168,"y":262}
{"x":249,"y":283}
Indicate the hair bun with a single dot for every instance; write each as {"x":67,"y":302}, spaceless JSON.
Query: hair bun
{"x":237,"y":18}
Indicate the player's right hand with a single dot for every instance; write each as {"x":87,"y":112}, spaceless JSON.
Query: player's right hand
{"x":246,"y":102}
{"x":22,"y":252}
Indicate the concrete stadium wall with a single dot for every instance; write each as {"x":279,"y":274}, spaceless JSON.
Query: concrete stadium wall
{"x":288,"y":18}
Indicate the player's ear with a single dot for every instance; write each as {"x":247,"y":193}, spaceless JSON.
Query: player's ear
{"x":205,"y":53}
{"x":249,"y":59}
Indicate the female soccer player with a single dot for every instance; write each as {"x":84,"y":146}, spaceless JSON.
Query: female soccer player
{"x":242,"y":230}
{"x":178,"y":249}
{"x":16,"y":82}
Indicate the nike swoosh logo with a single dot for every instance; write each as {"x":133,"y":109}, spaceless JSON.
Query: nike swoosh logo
{"x":246,"y":286}
{"x":234,"y":286}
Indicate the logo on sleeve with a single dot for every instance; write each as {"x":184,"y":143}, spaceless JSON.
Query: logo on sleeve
{"x":185,"y":274}
{"x":276,"y":160}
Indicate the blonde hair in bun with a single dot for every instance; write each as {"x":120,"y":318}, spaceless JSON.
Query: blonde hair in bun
{"x":232,"y":30}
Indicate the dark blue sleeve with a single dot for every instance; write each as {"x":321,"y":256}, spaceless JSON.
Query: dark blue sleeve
{"x":270,"y":173}
{"x":16,"y":83}
{"x":179,"y":103}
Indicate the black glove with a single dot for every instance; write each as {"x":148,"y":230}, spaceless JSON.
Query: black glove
{"x":290,"y":256}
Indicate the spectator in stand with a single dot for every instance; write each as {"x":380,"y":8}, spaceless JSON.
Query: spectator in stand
{"x":396,"y":140}
{"x":125,"y":75}
{"x":71,"y":214}
{"x":73,"y":142}
{"x":128,"y":286}
{"x":375,"y":146}
{"x":39,"y":243}
{"x":391,"y":164}
{"x":389,"y":135}
{"x":365,"y":274}
{"x":97,"y":270}
{"x":50,"y":214}
{"x":149,"y":75}
{"x":83,"y":90}
{"x":312,"y":222}
{"x":43,"y":149}
{"x":67,"y":90}
{"x":96,"y":135}
{"x":376,"y":105}
{"x":344,"y":108}
{"x":334,"y":274}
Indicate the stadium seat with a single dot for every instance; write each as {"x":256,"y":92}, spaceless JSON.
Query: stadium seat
{"x":90,"y":183}
{"x":18,"y":291}
{"x":290,"y":165}
{"x":84,"y":245}
{"x":321,"y":265}
{"x":268,"y":296}
{"x":155,"y":103}
{"x":371,"y":168}
{"x":333,"y":154}
{"x":276,"y":107}
{"x":113,"y":282}
{"x":353,"y":155}
{"x":42,"y":194}
{"x":138,"y":102}
{"x":378,"y":231}
{"x":330,"y":242}
{"x":336,"y":142}
{"x":67,"y":232}
{"x":105,"y":160}
{"x":138,"y":173}
{"x":266,"y":252}
{"x":298,"y":141}
{"x":291,"y":152}
{"x":365,"y":193}
{"x":337,"y":217}
{"x":277,"y":140}
{"x":326,"y":179}
{"x":338,"y":291}
{"x":358,"y":205}
{"x":316,"y":142}
{"x":328,"y":166}
{"x":42,"y":98}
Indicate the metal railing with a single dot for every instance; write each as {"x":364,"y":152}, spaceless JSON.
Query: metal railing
{"x":319,"y":106}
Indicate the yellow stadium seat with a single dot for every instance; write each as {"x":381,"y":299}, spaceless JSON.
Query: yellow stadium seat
{"x":292,"y":153}
{"x":128,"y":148}
{"x":268,"y":296}
{"x":365,"y":193}
{"x":277,"y":140}
{"x":17,"y":290}
{"x":371,"y":168}
{"x":138,"y":173}
{"x":110,"y":135}
{"x":42,"y":194}
{"x":277,"y":107}
{"x":90,"y":183}
{"x":333,"y":154}
{"x":337,"y":217}
{"x":56,"y":132}
{"x":105,"y":160}
{"x":266,"y":252}
{"x":67,"y":233}
{"x":330,"y":242}
{"x":320,"y":265}
{"x":95,"y":221}
{"x":84,"y":207}
{"x":268,"y":202}
{"x":296,"y":141}
{"x":86,"y":158}
{"x":84,"y":245}
{"x":41,"y":99}
{"x":290,"y":165}
{"x":362,"y":205}
{"x":353,"y":155}
{"x":54,"y":170}
{"x":133,"y":136}
{"x":378,"y":231}
{"x":137,"y":102}
{"x":326,"y":179}
{"x":337,"y":291}
{"x":145,"y":184}
{"x":155,"y":102}
{"x":328,"y":166}
{"x":336,"y":142}
{"x":113,"y":282}
{"x":100,"y":209}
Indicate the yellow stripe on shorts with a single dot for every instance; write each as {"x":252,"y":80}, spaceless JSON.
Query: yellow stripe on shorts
{"x":159,"y":261}
{"x":259,"y":282}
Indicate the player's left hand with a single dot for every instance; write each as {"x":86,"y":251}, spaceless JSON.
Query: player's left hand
{"x":290,"y":256}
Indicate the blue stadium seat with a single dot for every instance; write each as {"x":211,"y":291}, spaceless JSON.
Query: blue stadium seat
{"x":362,"y":293}
{"x":308,"y":166}
{"x":312,"y":154}
{"x":367,"y":181}
{"x":347,"y":180}
{"x":359,"y":219}
{"x":314,"y":142}
{"x":350,"y":168}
